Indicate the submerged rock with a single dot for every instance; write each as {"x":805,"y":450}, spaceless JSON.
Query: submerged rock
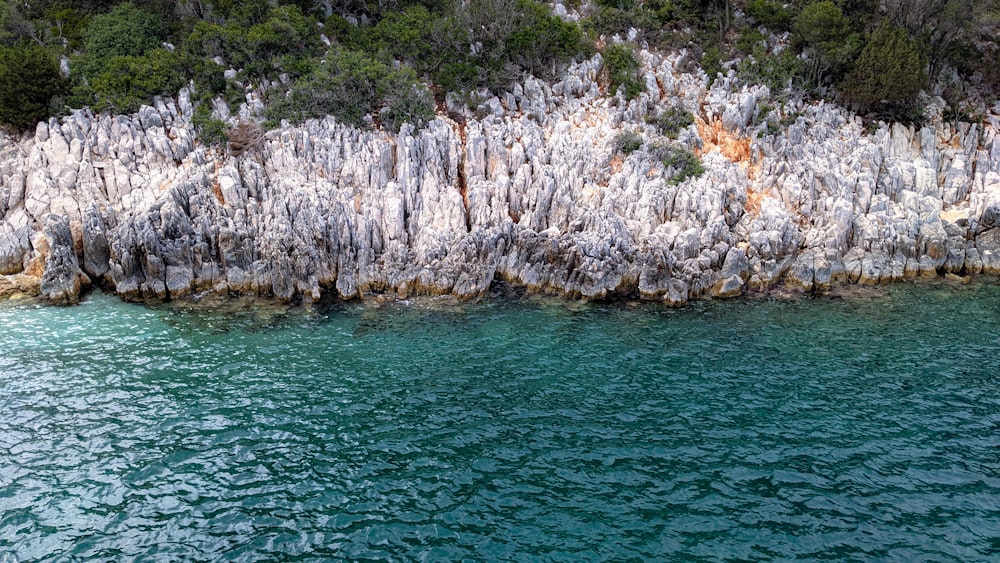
{"x":529,"y":192}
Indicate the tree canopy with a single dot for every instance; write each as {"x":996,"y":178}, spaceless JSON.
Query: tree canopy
{"x":29,"y":81}
{"x":888,"y":75}
{"x":122,"y":54}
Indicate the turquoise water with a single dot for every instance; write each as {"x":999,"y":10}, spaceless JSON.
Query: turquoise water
{"x":865,"y":427}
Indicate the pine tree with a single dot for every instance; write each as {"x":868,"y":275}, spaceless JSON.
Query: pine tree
{"x":888,"y":75}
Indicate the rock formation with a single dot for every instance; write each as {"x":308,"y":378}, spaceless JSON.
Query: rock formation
{"x":525,"y":188}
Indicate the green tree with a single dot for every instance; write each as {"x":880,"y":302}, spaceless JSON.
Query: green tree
{"x":943,"y":26}
{"x":543,"y":41}
{"x":29,"y":80}
{"x":770,"y":13}
{"x":888,"y":75}
{"x":125,"y":31}
{"x":825,"y":35}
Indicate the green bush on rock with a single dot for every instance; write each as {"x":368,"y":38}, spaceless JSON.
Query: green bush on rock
{"x":352,"y":86}
{"x":670,"y":122}
{"x":622,"y":68}
{"x":126,"y":82}
{"x":626,"y":142}
{"x":211,"y":131}
{"x":681,"y":161}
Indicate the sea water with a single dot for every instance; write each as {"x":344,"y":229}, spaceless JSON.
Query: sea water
{"x":864,"y":426}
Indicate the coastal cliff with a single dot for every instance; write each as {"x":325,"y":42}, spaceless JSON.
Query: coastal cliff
{"x":527,"y":188}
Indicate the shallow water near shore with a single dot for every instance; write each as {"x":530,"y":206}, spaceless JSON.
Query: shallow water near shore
{"x":859,"y":426}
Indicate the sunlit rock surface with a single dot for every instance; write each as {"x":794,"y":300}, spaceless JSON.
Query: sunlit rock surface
{"x":524,"y":189}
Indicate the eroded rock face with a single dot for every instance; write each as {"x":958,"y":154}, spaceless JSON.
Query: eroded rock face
{"x":62,"y":278}
{"x":528,"y":192}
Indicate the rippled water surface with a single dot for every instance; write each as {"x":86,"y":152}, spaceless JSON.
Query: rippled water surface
{"x":861,"y":427}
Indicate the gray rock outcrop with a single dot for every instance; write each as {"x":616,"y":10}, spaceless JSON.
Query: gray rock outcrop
{"x":525,"y":190}
{"x":61,"y":278}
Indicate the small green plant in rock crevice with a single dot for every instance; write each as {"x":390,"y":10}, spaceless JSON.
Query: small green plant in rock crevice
{"x":670,"y":122}
{"x":684,"y":163}
{"x":626,"y":143}
{"x":211,"y":131}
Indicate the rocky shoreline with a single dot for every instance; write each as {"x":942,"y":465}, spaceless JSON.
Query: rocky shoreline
{"x":526,"y":189}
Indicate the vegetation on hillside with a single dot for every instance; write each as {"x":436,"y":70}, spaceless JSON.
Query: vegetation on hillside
{"x":383,"y":63}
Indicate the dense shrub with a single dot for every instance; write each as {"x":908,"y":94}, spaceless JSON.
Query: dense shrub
{"x":282,"y":42}
{"x":127,"y":82}
{"x":122,"y":52}
{"x":609,"y":20}
{"x":622,"y":68}
{"x":888,"y":76}
{"x":773,"y":15}
{"x":626,"y":142}
{"x":543,"y":41}
{"x":784,"y":73}
{"x":711,"y":63}
{"x":125,"y":31}
{"x":502,"y":39}
{"x":29,"y":81}
{"x":211,"y":131}
{"x":681,"y":162}
{"x":124,"y":64}
{"x":471,"y":45}
{"x":352,"y":86}
{"x":405,"y":101}
{"x":825,"y":35}
{"x":752,"y":41}
{"x":670,"y":122}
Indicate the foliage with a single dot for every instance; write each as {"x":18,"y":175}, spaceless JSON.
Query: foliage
{"x":655,"y":20}
{"x":711,"y":62}
{"x":126,"y":82}
{"x":681,"y":161}
{"x":821,"y":22}
{"x":475,"y":44}
{"x":626,"y":142}
{"x":405,"y":101}
{"x":825,"y":34}
{"x":543,"y":41}
{"x":125,"y":31}
{"x":29,"y":81}
{"x":622,"y":70}
{"x":609,"y":19}
{"x":942,"y":28}
{"x":888,"y":76}
{"x":509,"y":37}
{"x":68,"y":24}
{"x":211,"y":131}
{"x":351,"y":86}
{"x":283,"y":40}
{"x":751,"y":41}
{"x":671,"y":121}
{"x":119,"y":56}
{"x":782,"y":73}
{"x":773,"y":15}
